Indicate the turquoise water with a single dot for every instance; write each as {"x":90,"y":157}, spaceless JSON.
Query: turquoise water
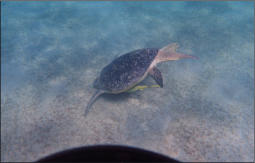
{"x":51,"y":52}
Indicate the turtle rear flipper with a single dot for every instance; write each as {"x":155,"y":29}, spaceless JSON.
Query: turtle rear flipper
{"x":169,"y":53}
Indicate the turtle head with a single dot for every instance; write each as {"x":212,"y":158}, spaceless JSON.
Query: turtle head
{"x":168,"y":53}
{"x":96,"y":83}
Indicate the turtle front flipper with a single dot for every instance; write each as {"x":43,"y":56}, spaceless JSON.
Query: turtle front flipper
{"x":93,"y":99}
{"x":156,"y":75}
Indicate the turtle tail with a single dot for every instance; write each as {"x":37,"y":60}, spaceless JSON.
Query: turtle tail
{"x":92,"y":100}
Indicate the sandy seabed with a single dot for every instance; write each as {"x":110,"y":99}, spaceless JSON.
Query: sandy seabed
{"x":53,"y":51}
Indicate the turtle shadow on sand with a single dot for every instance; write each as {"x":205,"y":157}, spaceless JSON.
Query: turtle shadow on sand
{"x":124,"y":73}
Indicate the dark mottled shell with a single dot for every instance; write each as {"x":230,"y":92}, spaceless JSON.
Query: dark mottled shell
{"x":126,"y":70}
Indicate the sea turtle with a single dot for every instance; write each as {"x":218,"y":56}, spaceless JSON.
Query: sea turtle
{"x":125,"y":72}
